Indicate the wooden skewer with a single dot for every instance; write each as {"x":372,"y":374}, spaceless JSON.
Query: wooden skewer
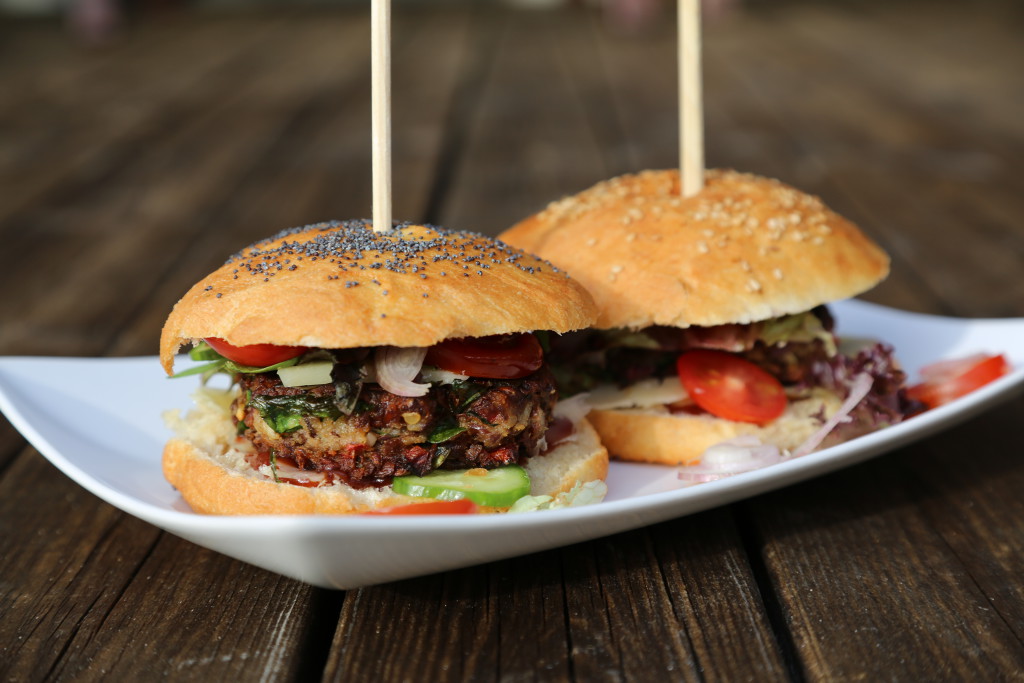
{"x":691,"y":105}
{"x":380,"y":72}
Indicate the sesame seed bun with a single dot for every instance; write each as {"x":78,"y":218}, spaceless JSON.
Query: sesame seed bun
{"x":340,"y":285}
{"x":657,"y":436}
{"x":744,"y":249}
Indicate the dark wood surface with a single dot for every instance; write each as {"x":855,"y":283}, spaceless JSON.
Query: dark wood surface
{"x":128,"y":172}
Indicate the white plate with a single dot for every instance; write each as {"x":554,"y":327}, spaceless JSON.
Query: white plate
{"x":98,"y":420}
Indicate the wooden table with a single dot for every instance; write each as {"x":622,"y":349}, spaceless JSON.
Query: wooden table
{"x":128,"y":172}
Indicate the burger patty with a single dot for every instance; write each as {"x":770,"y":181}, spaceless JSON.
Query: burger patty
{"x":477,"y":423}
{"x":585,"y":360}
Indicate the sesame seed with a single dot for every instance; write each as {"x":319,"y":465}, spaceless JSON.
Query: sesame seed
{"x":702,"y":247}
{"x":753,"y":285}
{"x":777,"y":273}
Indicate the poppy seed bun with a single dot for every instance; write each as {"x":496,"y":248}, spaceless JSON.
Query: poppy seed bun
{"x":340,"y":285}
{"x":744,"y":249}
{"x":214,"y":479}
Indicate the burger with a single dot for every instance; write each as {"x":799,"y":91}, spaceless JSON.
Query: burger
{"x":370,"y":370}
{"x":713,"y":322}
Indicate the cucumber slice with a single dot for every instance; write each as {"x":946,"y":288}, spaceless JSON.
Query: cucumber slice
{"x":499,"y":487}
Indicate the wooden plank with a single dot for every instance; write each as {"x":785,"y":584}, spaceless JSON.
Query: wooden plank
{"x":528,"y":142}
{"x":968,"y":484}
{"x":677,"y":602}
{"x":67,"y":565}
{"x":77,"y":118}
{"x":876,"y":585}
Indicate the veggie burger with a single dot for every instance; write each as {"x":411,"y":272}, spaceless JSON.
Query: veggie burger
{"x":371,"y":370}
{"x":712,"y":321}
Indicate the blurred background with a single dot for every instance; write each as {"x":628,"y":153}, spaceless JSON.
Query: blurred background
{"x":143,"y":141}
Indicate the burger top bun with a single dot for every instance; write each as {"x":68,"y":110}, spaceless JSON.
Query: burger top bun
{"x":744,"y":249}
{"x":341,"y":285}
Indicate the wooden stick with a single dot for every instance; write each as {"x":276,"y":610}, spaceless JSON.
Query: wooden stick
{"x":380,"y":72}
{"x":691,"y":105}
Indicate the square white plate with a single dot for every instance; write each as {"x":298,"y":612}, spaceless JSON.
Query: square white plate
{"x":99,"y":421}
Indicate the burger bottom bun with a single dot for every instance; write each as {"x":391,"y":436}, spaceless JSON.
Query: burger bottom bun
{"x":223,"y":483}
{"x":656,"y":436}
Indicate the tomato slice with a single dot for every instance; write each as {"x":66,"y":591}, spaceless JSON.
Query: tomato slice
{"x":503,"y":356}
{"x":948,"y":380}
{"x":255,"y":355}
{"x":463,"y":506}
{"x":730,"y":387}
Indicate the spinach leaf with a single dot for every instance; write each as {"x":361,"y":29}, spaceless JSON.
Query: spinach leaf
{"x":284,"y":413}
{"x":445,"y":432}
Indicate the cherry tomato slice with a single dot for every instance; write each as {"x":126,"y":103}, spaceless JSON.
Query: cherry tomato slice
{"x":730,"y":387}
{"x":949,"y":380}
{"x":463,"y":506}
{"x":255,"y":355}
{"x":503,"y":356}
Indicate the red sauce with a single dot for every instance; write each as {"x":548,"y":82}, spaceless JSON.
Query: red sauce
{"x":262,"y":459}
{"x":691,"y":409}
{"x":560,"y":430}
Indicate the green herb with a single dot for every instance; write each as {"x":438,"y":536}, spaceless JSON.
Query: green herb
{"x":221,"y":364}
{"x":442,"y":454}
{"x":195,"y":370}
{"x":346,"y":396}
{"x":631,"y":339}
{"x":273,"y":465}
{"x":203,"y":351}
{"x":466,"y":393}
{"x":284,"y":414}
{"x":444,"y":433}
{"x":240,"y":428}
{"x":802,"y":327}
{"x":481,"y":418}
{"x":233,"y":367}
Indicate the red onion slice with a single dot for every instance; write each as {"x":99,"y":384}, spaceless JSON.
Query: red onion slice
{"x":733,"y":456}
{"x":859,"y":388}
{"x":396,"y":368}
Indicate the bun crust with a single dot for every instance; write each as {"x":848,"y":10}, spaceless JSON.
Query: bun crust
{"x":223,"y":484}
{"x":659,"y":437}
{"x":340,"y":285}
{"x":744,"y":249}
